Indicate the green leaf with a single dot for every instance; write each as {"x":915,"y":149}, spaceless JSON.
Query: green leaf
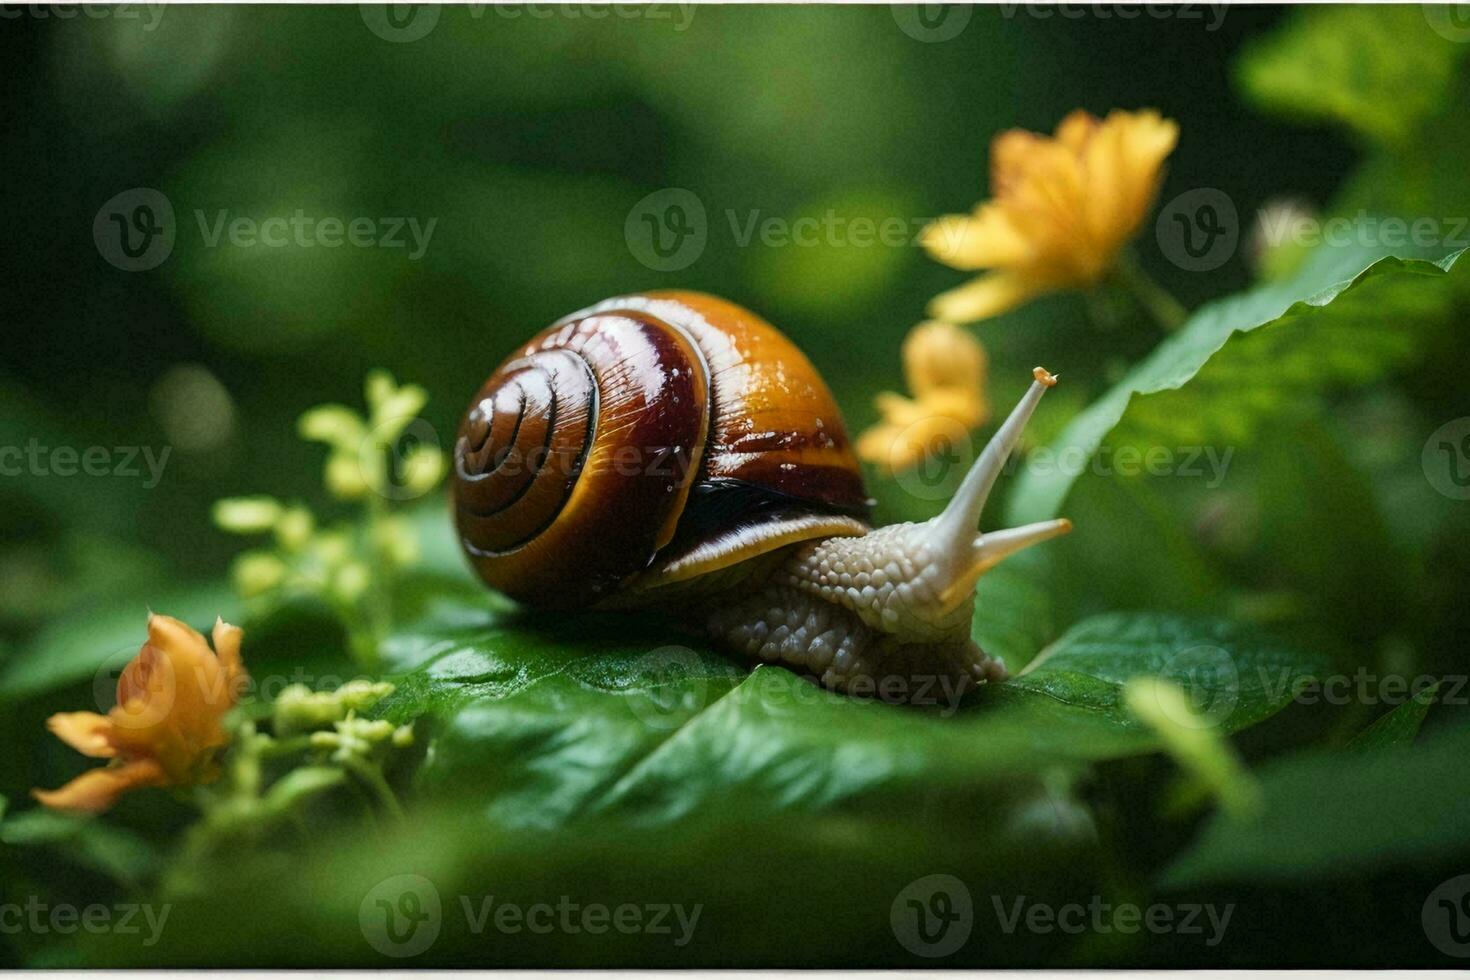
{"x":89,"y":842}
{"x":1014,"y":615}
{"x":106,"y":637}
{"x":1340,"y":815}
{"x":1312,"y":534}
{"x":541,"y":726}
{"x":1235,"y":676}
{"x":592,"y":754}
{"x":538,"y":721}
{"x":1399,"y":726}
{"x":1378,"y":69}
{"x":1238,"y":361}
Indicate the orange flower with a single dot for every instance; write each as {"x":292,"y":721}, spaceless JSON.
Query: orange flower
{"x":945,"y":369}
{"x":165,"y":729}
{"x":1063,"y":208}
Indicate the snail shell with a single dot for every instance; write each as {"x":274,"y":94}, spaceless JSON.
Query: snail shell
{"x":647,"y":440}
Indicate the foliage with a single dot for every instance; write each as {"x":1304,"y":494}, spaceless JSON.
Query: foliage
{"x":351,"y":566}
{"x":1377,"y":69}
{"x":1170,"y":732}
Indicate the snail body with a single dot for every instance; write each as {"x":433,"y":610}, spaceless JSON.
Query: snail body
{"x":673,"y":450}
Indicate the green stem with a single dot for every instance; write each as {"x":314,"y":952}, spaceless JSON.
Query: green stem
{"x":377,"y":613}
{"x":1167,"y":311}
{"x":373,"y":780}
{"x":278,"y":747}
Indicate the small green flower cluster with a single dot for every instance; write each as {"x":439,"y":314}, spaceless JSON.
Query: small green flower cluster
{"x":324,"y":746}
{"x":358,"y":467}
{"x":300,"y":709}
{"x":349,"y":565}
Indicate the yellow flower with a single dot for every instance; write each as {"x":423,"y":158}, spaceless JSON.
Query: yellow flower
{"x":945,"y":369}
{"x":165,"y":729}
{"x":1063,"y":207}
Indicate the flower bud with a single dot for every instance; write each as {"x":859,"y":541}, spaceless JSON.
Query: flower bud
{"x":377,"y":388}
{"x":394,"y":414}
{"x":294,"y":528}
{"x":423,"y":468}
{"x":351,"y":581}
{"x":336,"y":425}
{"x":300,"y":709}
{"x":331,"y":548}
{"x":344,"y":477}
{"x":258,"y":572}
{"x":246,"y":515}
{"x":361,"y":694}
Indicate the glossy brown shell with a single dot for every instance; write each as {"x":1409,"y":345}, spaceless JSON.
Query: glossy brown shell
{"x":648,"y":439}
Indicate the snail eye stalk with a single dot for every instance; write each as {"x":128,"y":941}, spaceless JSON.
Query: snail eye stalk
{"x":965,"y":555}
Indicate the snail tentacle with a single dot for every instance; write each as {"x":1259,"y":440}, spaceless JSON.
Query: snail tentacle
{"x":903,"y":593}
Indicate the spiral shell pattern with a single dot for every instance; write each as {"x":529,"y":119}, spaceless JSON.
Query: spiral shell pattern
{"x":575,"y":461}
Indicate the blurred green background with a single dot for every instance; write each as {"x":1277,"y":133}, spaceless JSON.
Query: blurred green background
{"x":530,"y":138}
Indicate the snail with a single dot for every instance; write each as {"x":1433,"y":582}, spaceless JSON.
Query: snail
{"x":672,"y":450}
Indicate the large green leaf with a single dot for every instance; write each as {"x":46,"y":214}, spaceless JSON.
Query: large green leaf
{"x":631,"y":770}
{"x":1376,"y":68}
{"x":1238,"y":361}
{"x":1340,"y":815}
{"x":1310,"y":532}
{"x":105,"y":638}
{"x":540,"y":725}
